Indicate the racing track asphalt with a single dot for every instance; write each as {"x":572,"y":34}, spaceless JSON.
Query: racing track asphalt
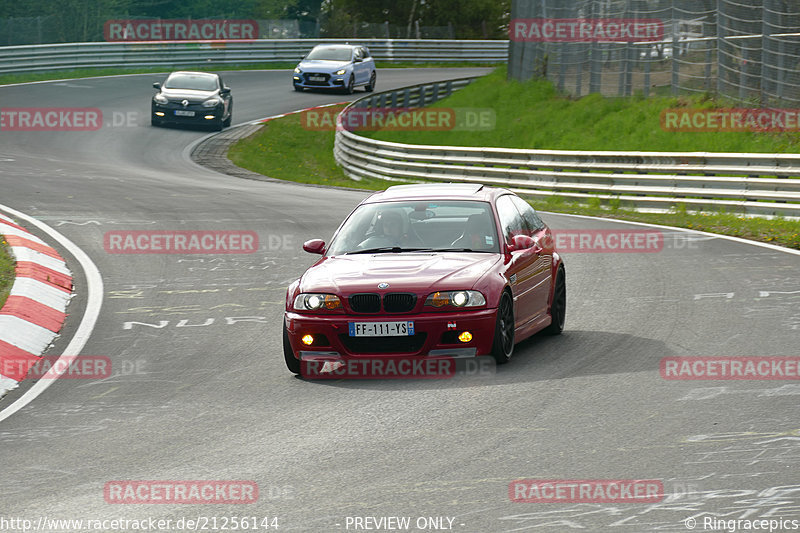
{"x":213,"y":400}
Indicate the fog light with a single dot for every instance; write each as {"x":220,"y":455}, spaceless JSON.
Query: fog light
{"x":209,"y":117}
{"x":308,"y":340}
{"x":160,"y":113}
{"x":465,"y":336}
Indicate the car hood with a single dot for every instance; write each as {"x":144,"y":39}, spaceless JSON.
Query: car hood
{"x":322,"y":65}
{"x":188,"y":94}
{"x":404,"y":272}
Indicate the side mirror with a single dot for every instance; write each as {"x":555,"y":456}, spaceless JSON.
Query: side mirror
{"x":357,"y":60}
{"x":225,"y":90}
{"x":156,"y":85}
{"x":314,"y":246}
{"x":523,"y":242}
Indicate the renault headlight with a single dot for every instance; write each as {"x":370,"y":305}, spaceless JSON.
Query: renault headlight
{"x":161,"y":99}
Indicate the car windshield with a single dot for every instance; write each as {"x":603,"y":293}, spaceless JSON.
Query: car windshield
{"x":330,"y":54}
{"x":409,"y":226}
{"x":194,"y":82}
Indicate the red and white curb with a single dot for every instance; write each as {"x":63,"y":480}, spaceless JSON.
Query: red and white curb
{"x":36,"y":307}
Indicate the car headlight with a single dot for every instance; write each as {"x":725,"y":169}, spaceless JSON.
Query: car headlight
{"x":297,"y":70}
{"x":341,"y":71}
{"x":317,"y":302}
{"x":161,"y":99}
{"x":455,"y":298}
{"x":212,"y":102}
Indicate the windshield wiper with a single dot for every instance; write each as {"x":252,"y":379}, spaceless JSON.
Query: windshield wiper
{"x":390,"y":249}
{"x":461,"y":250}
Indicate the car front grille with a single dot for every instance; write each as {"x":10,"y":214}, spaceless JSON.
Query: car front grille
{"x":399,"y":302}
{"x":310,"y":82}
{"x":383,"y":345}
{"x":365,"y":303}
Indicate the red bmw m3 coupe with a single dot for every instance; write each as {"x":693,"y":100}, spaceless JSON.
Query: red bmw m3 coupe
{"x":456,"y":270}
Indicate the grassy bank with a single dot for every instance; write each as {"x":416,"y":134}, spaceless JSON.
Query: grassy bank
{"x":6,"y":271}
{"x":286,"y":150}
{"x":534,"y":115}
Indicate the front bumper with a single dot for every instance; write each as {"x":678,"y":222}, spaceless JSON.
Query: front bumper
{"x":202,"y":115}
{"x":435,"y":335}
{"x":331,"y":81}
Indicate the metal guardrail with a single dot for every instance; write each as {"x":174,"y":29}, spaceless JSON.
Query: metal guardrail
{"x":754,"y":184}
{"x":43,"y":57}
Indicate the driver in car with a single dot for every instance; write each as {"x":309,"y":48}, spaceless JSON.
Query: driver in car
{"x":388,"y":232}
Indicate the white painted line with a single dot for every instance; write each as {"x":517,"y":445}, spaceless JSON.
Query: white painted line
{"x":41,"y":292}
{"x":25,"y":335}
{"x":9,"y":219}
{"x":26,"y":254}
{"x":94,"y":302}
{"x":10,"y":230}
{"x":773,"y":247}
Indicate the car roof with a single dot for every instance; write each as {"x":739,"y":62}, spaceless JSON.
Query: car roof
{"x":194,"y":73}
{"x":439,"y":191}
{"x":338,"y":45}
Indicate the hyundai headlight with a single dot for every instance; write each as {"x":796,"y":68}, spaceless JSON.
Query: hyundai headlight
{"x":317,"y":302}
{"x":297,"y":70}
{"x":441,"y":299}
{"x":341,"y":72}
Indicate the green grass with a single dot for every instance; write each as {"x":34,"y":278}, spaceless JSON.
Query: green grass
{"x":7,"y":265}
{"x":284,"y":149}
{"x":92,"y":72}
{"x":534,"y":115}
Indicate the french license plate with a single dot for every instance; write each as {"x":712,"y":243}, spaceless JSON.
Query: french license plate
{"x":316,"y":78}
{"x":381,"y":329}
{"x":182,"y":113}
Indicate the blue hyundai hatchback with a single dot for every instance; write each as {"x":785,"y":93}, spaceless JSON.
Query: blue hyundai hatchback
{"x":336,"y":66}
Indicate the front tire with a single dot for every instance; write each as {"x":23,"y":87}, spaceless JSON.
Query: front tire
{"x":227,"y":121}
{"x":297,"y":88}
{"x":292,"y":363}
{"x":558,"y":309}
{"x":351,"y":85}
{"x":503,"y":345}
{"x":371,"y":85}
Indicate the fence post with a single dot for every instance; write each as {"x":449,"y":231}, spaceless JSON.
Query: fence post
{"x":674,"y":60}
{"x":720,"y":42}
